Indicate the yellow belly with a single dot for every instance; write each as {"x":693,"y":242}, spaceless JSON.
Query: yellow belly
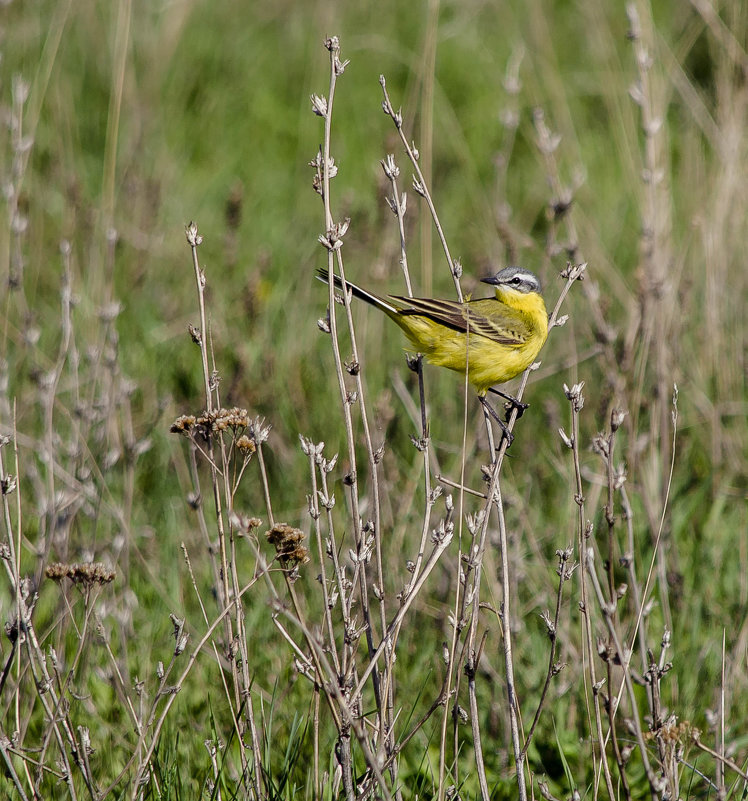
{"x":488,"y":362}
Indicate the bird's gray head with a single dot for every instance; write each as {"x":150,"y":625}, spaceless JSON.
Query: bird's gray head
{"x":516,"y":278}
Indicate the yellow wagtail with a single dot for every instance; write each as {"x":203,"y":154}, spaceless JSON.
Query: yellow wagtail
{"x":493,"y":339}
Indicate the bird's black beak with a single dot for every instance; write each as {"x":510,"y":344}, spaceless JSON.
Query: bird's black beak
{"x":492,"y":279}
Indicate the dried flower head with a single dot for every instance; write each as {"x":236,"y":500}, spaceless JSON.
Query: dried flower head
{"x":193,"y":238}
{"x":183,"y":424}
{"x":235,"y":420}
{"x":288,"y":545}
{"x":84,"y":573}
{"x":246,"y":445}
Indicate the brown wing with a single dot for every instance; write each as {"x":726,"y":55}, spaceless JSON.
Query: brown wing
{"x":487,"y":317}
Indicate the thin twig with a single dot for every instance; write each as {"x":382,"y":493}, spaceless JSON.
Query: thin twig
{"x":419,"y":183}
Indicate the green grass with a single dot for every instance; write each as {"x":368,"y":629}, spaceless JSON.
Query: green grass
{"x":216,"y":126}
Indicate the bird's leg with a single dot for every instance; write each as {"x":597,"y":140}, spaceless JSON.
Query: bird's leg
{"x":512,"y":402}
{"x":491,"y":411}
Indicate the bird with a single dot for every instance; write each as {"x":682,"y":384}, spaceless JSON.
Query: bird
{"x":492,"y":339}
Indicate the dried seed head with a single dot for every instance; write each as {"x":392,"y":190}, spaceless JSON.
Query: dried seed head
{"x":83,"y":573}
{"x":7,"y":484}
{"x":193,"y":238}
{"x":288,"y":545}
{"x":617,"y":417}
{"x":600,"y":445}
{"x":246,"y":445}
{"x":319,"y":105}
{"x":391,"y":170}
{"x":195,"y":334}
{"x":573,"y":272}
{"x":575,"y":396}
{"x":183,"y":424}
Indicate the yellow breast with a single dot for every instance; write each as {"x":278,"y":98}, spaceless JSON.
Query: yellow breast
{"x":487,"y":361}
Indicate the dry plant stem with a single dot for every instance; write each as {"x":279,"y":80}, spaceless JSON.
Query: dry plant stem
{"x":666,"y":500}
{"x":37,"y":660}
{"x":10,"y":770}
{"x":626,"y":662}
{"x":575,"y":398}
{"x":436,"y":553}
{"x":398,"y":206}
{"x":194,"y":241}
{"x":315,"y":514}
{"x":472,"y":564}
{"x":545,"y":791}
{"x":200,"y":512}
{"x":200,"y":283}
{"x":334,"y":248}
{"x":12,"y":567}
{"x":606,"y":445}
{"x":12,"y":562}
{"x":477,"y":551}
{"x":572,"y":273}
{"x":610,"y":517}
{"x":720,"y":758}
{"x":666,"y":755}
{"x":421,"y":187}
{"x":709,"y":783}
{"x":441,"y":700}
{"x":315,"y":737}
{"x":120,"y":685}
{"x":62,"y":708}
{"x":156,"y":724}
{"x":630,"y":563}
{"x":420,"y":182}
{"x":514,"y":708}
{"x":63,"y":732}
{"x":564,"y":573}
{"x":334,"y":692}
{"x":424,"y":447}
{"x":374,"y":478}
{"x":654,"y":784}
{"x":470,"y":668}
{"x":344,"y":596}
{"x":448,"y":482}
{"x":221,"y":485}
{"x":242,"y":689}
{"x":304,"y":660}
{"x":265,"y":484}
{"x":322,"y":667}
{"x":261,"y":569}
{"x":333,"y":240}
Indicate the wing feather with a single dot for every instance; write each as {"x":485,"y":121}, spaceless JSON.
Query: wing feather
{"x":487,"y":317}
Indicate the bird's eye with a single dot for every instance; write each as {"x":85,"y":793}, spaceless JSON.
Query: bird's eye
{"x":515,"y":280}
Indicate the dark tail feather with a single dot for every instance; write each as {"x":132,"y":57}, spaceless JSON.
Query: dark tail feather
{"x":357,"y":292}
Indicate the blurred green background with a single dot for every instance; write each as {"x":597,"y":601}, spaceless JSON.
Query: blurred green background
{"x":147,"y":115}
